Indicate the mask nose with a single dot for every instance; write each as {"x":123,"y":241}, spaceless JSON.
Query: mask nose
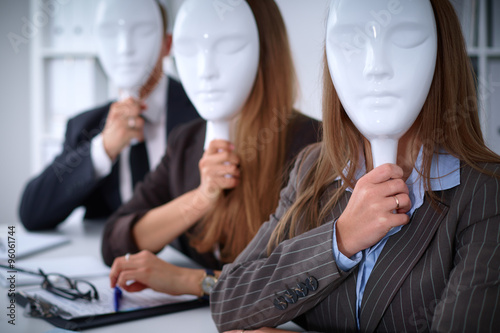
{"x":207,"y":67}
{"x":377,"y":64}
{"x":125,"y":43}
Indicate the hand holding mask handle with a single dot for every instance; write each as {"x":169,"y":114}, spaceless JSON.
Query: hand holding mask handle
{"x":129,"y":35}
{"x":209,"y":48}
{"x":381,"y":58}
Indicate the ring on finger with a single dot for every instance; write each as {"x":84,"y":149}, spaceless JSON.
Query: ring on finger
{"x":131,"y":122}
{"x":397,"y":201}
{"x":127,"y":257}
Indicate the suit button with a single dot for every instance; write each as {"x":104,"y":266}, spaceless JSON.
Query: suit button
{"x":290,"y":296}
{"x":301,"y":289}
{"x":312,"y":283}
{"x":280,"y":303}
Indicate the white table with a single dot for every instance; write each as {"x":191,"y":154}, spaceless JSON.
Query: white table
{"x":86,"y":240}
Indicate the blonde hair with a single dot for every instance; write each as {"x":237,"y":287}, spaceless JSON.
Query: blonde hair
{"x":449,"y":120}
{"x":238,"y":213}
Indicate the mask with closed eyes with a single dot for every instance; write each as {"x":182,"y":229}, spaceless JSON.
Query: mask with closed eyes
{"x":382,"y":55}
{"x":217,"y":56}
{"x":129,"y":37}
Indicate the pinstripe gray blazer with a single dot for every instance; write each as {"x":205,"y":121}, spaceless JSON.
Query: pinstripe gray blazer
{"x":440,"y":273}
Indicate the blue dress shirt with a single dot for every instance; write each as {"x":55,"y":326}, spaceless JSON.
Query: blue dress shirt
{"x":445,"y":174}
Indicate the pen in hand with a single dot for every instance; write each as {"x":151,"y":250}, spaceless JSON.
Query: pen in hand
{"x":117,"y":297}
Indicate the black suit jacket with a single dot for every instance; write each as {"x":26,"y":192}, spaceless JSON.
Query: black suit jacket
{"x":70,"y":181}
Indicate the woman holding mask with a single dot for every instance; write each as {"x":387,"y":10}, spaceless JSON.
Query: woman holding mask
{"x":412,"y":246}
{"x":237,"y":69}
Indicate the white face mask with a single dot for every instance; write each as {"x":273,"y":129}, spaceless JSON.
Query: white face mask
{"x":129,"y":37}
{"x":217,"y":57}
{"x":382,"y":55}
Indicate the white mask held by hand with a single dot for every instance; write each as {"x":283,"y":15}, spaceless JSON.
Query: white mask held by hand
{"x":217,"y":57}
{"x":382,"y":56}
{"x":129,"y":38}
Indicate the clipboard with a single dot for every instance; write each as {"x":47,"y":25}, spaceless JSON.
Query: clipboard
{"x":98,"y":320}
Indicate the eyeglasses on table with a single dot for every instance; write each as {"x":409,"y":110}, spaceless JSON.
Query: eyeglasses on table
{"x":63,"y":286}
{"x":71,"y":289}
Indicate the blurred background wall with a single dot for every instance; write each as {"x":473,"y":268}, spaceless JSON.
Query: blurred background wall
{"x":15,"y":124}
{"x":49,"y":71}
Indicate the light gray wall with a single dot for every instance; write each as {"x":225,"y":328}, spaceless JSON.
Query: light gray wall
{"x":14,"y":110}
{"x":306,"y":25}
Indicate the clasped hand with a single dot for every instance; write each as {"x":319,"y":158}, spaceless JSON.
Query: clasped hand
{"x":123,"y":124}
{"x":371,"y":211}
{"x":219,"y":169}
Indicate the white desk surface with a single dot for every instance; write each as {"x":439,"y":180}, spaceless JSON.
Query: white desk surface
{"x":86,"y":240}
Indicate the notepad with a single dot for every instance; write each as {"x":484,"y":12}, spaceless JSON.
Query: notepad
{"x":27,"y":243}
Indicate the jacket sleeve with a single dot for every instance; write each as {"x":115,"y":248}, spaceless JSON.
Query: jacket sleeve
{"x":154,"y":191}
{"x":258,"y":290}
{"x":64,"y":185}
{"x":470,"y":301}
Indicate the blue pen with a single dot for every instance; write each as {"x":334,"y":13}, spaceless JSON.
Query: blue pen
{"x":118,"y":296}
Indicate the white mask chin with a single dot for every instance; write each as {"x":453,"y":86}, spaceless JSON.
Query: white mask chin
{"x":217,"y":57}
{"x":129,"y":37}
{"x":382,"y":56}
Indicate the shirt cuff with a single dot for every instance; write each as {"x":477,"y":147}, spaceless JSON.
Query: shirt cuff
{"x":100,"y":159}
{"x":344,"y":263}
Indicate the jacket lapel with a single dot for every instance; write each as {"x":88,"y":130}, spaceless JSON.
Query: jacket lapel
{"x":114,"y":197}
{"x":173,"y":102}
{"x":391,"y":270}
{"x":192,"y":155}
{"x":345,"y":298}
{"x":347,"y":290}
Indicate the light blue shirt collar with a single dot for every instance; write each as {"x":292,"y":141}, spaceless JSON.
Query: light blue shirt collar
{"x":444,"y":174}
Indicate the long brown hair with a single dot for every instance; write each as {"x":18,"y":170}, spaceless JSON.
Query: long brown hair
{"x":260,"y":142}
{"x":449,"y":120}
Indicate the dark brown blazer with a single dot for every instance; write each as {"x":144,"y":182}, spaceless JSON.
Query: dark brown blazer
{"x":177,"y":174}
{"x":440,"y":273}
